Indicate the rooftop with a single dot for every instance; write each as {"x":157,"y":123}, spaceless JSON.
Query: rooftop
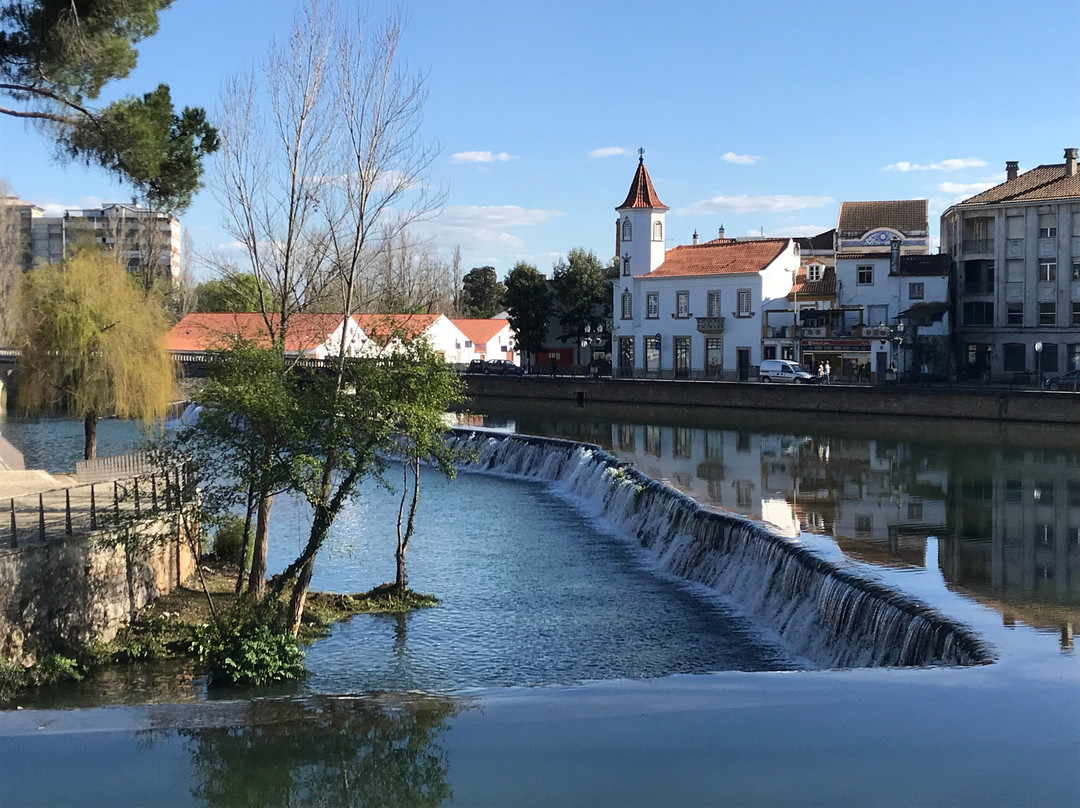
{"x":720,"y":257}
{"x":824,"y":288}
{"x":904,"y":215}
{"x":642,"y":194}
{"x":1042,"y":182}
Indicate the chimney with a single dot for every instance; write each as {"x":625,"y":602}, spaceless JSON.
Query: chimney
{"x":894,"y":257}
{"x":695,"y":236}
{"x":721,"y":231}
{"x":1011,"y":169}
{"x":1070,"y":162}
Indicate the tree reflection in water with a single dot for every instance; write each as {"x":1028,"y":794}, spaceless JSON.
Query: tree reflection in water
{"x":362,"y":751}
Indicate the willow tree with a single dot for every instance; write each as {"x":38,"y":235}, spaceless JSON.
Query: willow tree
{"x":91,"y":345}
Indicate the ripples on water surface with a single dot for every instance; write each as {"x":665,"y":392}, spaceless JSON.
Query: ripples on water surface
{"x":530,"y":592}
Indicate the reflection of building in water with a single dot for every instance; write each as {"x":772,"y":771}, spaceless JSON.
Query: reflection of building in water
{"x":1014,"y":537}
{"x":798,"y":483}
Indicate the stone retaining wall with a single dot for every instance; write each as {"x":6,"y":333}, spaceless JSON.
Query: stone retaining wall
{"x":1025,"y":406}
{"x":87,"y":587}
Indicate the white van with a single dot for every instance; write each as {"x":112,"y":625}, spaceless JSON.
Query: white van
{"x":782,"y":370}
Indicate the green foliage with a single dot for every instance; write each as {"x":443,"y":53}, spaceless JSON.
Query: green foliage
{"x":228,"y":544}
{"x":235,"y":293}
{"x":56,"y":55}
{"x":144,"y":140}
{"x":53,"y":669}
{"x":483,"y":294}
{"x":13,"y":680}
{"x":91,"y":343}
{"x":146,"y":638}
{"x":529,"y":304}
{"x":581,"y":288}
{"x":254,"y":654}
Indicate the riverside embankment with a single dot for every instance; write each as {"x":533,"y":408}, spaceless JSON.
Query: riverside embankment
{"x":986,"y":404}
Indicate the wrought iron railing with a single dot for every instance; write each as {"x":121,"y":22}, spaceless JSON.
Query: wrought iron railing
{"x":60,"y":513}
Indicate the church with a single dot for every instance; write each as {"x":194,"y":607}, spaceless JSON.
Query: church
{"x":695,"y":311}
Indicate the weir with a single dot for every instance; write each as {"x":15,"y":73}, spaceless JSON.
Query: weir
{"x":825,"y":614}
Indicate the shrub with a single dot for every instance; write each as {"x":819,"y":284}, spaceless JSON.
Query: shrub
{"x":55,"y":668}
{"x":229,"y":541}
{"x":255,"y":654}
{"x":13,"y":679}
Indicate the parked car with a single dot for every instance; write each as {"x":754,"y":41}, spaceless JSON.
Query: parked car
{"x":477,"y":366}
{"x":783,"y":370}
{"x":1066,"y":381}
{"x":502,"y":367}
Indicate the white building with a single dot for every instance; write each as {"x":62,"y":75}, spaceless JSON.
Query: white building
{"x":490,"y":338}
{"x":694,"y":311}
{"x":146,"y":238}
{"x":1017,"y":252}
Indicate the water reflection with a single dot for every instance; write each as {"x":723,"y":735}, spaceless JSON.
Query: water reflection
{"x":370,"y":751}
{"x":1003,"y":501}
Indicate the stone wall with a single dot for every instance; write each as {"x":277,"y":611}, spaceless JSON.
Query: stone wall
{"x":1023,"y":406}
{"x":87,"y":587}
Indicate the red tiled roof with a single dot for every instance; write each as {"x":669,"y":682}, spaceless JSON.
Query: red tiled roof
{"x":719,"y":258}
{"x":1043,"y":182}
{"x":387,"y":325}
{"x":642,"y":194}
{"x":206,"y":332}
{"x":905,"y":215}
{"x":479,"y":331}
{"x":825,"y":288}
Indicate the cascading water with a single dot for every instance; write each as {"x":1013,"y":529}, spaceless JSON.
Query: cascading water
{"x":823,"y":613}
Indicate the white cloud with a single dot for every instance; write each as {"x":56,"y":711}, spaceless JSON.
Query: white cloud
{"x":952,"y":164}
{"x":610,"y":151}
{"x":480,"y":157}
{"x":967,"y":188}
{"x":488,"y":226}
{"x":794,"y":231}
{"x":777,"y":203}
{"x":742,"y":159}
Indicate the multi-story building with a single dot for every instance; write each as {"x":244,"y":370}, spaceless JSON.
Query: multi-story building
{"x":148,"y":241}
{"x":696,"y":310}
{"x":1017,"y":253}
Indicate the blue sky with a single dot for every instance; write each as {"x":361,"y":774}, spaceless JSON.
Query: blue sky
{"x":760,"y":116}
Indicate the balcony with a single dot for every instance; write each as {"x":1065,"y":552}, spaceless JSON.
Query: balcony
{"x":710,"y":325}
{"x":978,"y":287}
{"x":875,"y":332}
{"x":978,"y":245}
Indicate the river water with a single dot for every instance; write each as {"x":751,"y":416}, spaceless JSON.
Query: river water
{"x":565,"y":667}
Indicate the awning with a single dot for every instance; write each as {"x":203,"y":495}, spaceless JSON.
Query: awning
{"x":924,"y":313}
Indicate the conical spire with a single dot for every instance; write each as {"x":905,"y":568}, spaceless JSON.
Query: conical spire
{"x":642,"y":194}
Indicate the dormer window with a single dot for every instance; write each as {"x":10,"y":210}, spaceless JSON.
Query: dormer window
{"x":627,"y":233}
{"x":658,"y":231}
{"x":815,"y":272}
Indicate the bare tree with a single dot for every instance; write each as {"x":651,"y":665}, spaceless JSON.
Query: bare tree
{"x":316,"y":187}
{"x":12,"y":258}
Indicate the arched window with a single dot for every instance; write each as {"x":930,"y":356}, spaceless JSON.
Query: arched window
{"x":626,"y":233}
{"x":658,"y":231}
{"x":627,"y":305}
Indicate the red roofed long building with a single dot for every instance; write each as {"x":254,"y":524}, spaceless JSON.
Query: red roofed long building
{"x":696,"y":310}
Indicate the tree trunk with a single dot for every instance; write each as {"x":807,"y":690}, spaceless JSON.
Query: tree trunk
{"x":90,"y":436}
{"x":257,"y":578}
{"x":247,"y":538}
{"x":400,"y":582}
{"x":299,"y":596}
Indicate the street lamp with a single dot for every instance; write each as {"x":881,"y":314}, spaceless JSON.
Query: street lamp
{"x":1038,"y":361}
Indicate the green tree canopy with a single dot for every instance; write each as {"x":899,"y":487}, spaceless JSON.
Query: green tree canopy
{"x":483,"y":294}
{"x":581,"y":288}
{"x":529,"y":305}
{"x":55,"y":58}
{"x":91,"y":345}
{"x":235,"y":293}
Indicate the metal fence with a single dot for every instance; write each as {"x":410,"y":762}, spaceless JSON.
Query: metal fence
{"x":113,"y":468}
{"x":63,"y":512}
